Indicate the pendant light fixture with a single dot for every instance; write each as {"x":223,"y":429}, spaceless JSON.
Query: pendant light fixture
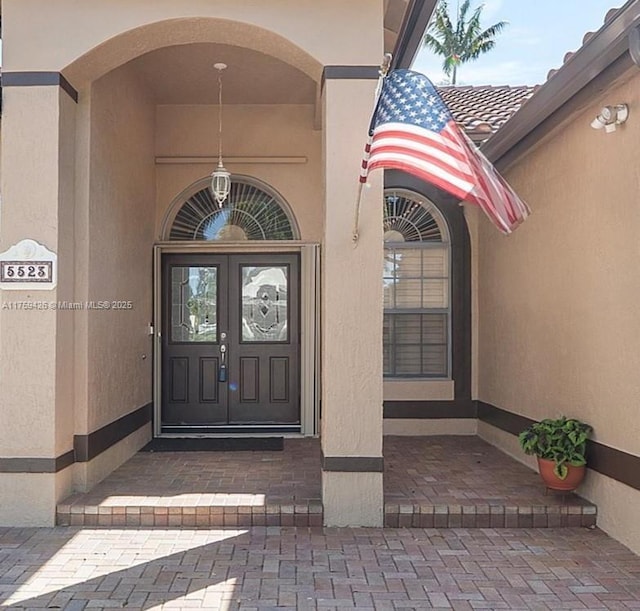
{"x":221,"y":178}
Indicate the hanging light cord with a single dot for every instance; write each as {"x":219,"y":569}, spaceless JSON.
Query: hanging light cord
{"x":220,"y":117}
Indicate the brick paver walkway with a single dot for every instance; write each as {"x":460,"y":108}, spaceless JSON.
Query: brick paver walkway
{"x":428,"y":481}
{"x":449,"y":470}
{"x":289,"y":568}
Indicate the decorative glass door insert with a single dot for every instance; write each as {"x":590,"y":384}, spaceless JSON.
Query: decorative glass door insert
{"x":194,"y":304}
{"x":265,"y":304}
{"x":231,"y":341}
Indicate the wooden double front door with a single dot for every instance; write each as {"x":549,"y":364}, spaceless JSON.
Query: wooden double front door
{"x":230,"y":341}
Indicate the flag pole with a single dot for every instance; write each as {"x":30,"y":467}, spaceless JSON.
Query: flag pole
{"x":384,"y":70}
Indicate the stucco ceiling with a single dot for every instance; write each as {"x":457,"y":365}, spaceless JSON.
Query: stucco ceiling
{"x":185,"y":75}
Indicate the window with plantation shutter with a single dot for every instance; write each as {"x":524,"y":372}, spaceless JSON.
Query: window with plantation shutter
{"x":417,"y":309}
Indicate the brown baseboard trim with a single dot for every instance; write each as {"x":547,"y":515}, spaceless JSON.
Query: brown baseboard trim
{"x":39,"y":79}
{"x":616,"y":464}
{"x":87,"y":447}
{"x":37,"y":465}
{"x":66,"y":460}
{"x":502,"y":419}
{"x":430,"y":410}
{"x":353,"y":464}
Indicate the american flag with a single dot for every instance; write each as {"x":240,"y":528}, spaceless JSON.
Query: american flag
{"x":413,"y":130}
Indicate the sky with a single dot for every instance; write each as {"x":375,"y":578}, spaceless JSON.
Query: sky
{"x":539,"y":34}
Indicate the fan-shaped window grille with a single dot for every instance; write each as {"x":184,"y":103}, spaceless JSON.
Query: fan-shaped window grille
{"x":250,"y":213}
{"x":409,"y":218}
{"x":417,"y":304}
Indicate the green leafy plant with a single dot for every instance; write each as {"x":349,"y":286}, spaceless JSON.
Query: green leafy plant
{"x":563,"y":440}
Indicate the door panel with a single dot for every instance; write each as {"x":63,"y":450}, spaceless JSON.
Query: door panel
{"x":237,"y":311}
{"x":209,"y":379}
{"x":279,"y":380}
{"x":267,"y":321}
{"x":179,"y":379}
{"x":249,"y":380}
{"x":194,"y":310}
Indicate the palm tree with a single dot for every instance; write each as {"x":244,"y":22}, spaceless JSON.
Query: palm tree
{"x":463,"y":42}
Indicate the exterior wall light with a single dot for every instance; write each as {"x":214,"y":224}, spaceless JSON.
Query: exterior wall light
{"x":221,"y":178}
{"x":611,"y":116}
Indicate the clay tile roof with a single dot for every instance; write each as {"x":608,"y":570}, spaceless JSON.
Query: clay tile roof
{"x":482,"y":110}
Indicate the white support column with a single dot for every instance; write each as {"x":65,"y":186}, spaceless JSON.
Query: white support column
{"x":351,"y":316}
{"x":36,"y":345}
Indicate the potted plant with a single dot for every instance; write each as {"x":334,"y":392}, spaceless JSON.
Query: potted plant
{"x":560,"y":446}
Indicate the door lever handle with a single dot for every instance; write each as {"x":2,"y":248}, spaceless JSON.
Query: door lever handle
{"x":222,"y":371}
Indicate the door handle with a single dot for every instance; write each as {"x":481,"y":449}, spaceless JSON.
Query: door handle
{"x":222,"y":371}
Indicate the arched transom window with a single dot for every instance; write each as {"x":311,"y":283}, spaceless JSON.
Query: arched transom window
{"x":252,"y":212}
{"x":417,"y":309}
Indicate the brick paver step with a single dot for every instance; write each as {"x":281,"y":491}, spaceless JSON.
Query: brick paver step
{"x":74,"y":513}
{"x":489,"y":516}
{"x":188,"y":512}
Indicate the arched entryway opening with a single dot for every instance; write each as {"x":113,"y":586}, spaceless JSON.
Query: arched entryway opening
{"x":146,"y":130}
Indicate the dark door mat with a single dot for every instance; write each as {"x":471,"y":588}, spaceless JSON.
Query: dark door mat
{"x":240,"y":444}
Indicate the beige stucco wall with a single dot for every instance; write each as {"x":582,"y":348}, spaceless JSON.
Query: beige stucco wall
{"x":36,"y":363}
{"x":324,"y":30}
{"x":37,"y":356}
{"x":418,"y":390}
{"x":88,"y":474}
{"x":352,"y":392}
{"x":121,"y":234}
{"x":267,"y":132}
{"x":558,"y":316}
{"x":352,"y":338}
{"x":412,"y":427}
{"x":28,"y":499}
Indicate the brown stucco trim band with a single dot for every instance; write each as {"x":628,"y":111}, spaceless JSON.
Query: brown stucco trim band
{"x":65,"y":460}
{"x":350,"y":72}
{"x":37,"y":465}
{"x":617,"y":464}
{"x":502,"y":419}
{"x":87,"y":447}
{"x":39,"y":79}
{"x":353,"y":464}
{"x":430,"y":410}
{"x":614,"y":463}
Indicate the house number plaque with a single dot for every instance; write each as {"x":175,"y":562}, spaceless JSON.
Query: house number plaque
{"x":28,"y":266}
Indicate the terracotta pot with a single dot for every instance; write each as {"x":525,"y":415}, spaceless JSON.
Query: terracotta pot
{"x":571,"y":482}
